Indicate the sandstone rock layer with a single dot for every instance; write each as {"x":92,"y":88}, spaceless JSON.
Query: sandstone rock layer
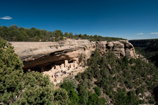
{"x":39,"y":54}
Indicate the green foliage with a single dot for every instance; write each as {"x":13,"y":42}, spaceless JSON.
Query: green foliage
{"x":125,"y":59}
{"x":83,"y":95}
{"x":61,"y":97}
{"x":15,"y":33}
{"x":97,"y":90}
{"x":17,"y":87}
{"x":148,"y":44}
{"x":68,"y":85}
{"x":132,"y":60}
{"x":140,"y":78}
{"x":148,"y":48}
{"x":102,"y":101}
{"x":10,"y":73}
{"x":95,"y":100}
{"x":74,"y":98}
{"x":122,"y":98}
{"x":38,"y":89}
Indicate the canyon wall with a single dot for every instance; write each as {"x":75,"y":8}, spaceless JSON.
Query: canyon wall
{"x":149,"y":44}
{"x":36,"y":55}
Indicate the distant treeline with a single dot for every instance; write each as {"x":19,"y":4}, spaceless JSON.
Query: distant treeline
{"x":150,"y":44}
{"x":15,"y":33}
{"x":148,"y":48}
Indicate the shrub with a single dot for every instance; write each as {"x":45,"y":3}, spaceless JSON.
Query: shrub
{"x":68,"y":85}
{"x":61,"y":97}
{"x":17,"y":87}
{"x":93,"y":99}
{"x":38,"y":89}
{"x":125,"y":59}
{"x":102,"y":101}
{"x":10,"y":73}
{"x":122,"y":98}
{"x":83,"y":95}
{"x":132,"y":60}
{"x":97,"y":90}
{"x":73,"y":97}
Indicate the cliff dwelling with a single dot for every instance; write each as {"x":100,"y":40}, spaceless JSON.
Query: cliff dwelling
{"x":58,"y":72}
{"x":61,"y":59}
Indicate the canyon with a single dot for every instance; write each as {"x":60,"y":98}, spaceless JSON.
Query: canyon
{"x":60,"y":59}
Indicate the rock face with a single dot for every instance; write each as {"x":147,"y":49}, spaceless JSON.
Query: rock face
{"x":119,"y":48}
{"x":36,"y":55}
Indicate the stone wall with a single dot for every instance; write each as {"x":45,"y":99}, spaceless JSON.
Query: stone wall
{"x":58,"y":71}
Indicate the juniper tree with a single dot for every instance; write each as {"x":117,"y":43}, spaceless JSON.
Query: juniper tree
{"x":17,"y":87}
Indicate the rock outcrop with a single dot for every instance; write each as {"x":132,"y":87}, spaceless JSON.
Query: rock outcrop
{"x":41,"y":54}
{"x":119,"y":48}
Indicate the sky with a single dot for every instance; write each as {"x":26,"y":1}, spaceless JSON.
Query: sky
{"x":130,"y":19}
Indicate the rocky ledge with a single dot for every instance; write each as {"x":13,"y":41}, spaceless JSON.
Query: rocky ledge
{"x":36,"y":55}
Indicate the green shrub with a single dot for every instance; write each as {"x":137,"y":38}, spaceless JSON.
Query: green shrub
{"x":122,"y":98}
{"x":97,"y":90}
{"x":83,"y":95}
{"x":102,"y":101}
{"x":11,"y":73}
{"x":17,"y":87}
{"x":132,"y":60}
{"x":125,"y":59}
{"x":68,"y":85}
{"x":61,"y":97}
{"x":93,"y":99}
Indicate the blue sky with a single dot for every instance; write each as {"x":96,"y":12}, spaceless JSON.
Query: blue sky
{"x":130,"y":19}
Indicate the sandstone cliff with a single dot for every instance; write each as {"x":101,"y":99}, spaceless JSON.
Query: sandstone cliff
{"x":39,"y":54}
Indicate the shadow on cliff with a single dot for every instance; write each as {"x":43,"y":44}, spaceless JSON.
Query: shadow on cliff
{"x":155,"y":59}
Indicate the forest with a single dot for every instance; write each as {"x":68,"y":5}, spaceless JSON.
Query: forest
{"x":148,"y":48}
{"x":125,"y":81}
{"x":15,"y":33}
{"x":33,"y":88}
{"x":108,"y":79}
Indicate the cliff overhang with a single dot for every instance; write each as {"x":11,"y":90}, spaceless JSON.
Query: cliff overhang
{"x":36,"y":55}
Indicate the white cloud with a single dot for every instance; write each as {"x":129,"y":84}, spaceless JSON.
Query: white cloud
{"x":6,"y":18}
{"x":154,"y":33}
{"x":140,"y":33}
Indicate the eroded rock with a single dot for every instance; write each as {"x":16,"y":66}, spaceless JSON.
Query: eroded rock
{"x":40,"y":54}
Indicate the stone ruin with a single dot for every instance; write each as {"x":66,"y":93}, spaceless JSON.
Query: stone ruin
{"x":58,"y":72}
